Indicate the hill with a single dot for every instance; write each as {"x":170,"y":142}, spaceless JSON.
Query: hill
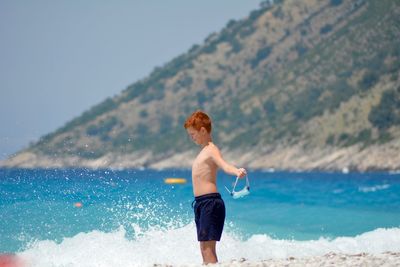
{"x":295,"y":85}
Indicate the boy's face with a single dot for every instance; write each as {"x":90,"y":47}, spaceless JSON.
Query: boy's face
{"x":195,"y":135}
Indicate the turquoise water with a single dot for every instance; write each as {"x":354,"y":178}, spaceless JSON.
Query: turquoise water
{"x":133,"y":207}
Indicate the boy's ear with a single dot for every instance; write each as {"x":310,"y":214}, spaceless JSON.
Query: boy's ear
{"x":203,"y":130}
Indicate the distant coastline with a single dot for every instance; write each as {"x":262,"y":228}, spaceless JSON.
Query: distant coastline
{"x":291,"y":158}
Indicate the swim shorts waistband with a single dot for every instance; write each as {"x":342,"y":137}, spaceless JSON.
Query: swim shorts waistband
{"x":207,"y":196}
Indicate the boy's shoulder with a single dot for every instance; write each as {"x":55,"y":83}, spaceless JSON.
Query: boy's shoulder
{"x":212,"y":148}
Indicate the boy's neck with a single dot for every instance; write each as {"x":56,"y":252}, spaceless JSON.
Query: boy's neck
{"x":207,"y":141}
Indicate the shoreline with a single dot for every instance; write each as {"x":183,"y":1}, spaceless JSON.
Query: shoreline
{"x":269,"y":170}
{"x":388,"y":259}
{"x":292,"y":160}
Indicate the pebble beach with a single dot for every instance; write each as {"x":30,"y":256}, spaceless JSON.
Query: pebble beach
{"x":386,"y":259}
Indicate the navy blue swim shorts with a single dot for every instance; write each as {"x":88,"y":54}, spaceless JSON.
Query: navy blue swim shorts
{"x":209,"y":215}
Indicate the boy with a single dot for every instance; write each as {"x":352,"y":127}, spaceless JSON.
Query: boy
{"x":209,"y":208}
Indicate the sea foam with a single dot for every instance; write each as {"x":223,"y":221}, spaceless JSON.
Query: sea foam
{"x":367,"y":189}
{"x":179,"y":246}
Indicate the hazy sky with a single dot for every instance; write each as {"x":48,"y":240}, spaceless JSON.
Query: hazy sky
{"x":59,"y":58}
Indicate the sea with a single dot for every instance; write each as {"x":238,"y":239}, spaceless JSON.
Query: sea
{"x":81,"y":217}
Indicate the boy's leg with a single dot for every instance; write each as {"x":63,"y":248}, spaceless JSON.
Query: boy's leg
{"x":208,"y":251}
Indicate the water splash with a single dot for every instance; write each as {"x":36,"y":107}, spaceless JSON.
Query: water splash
{"x":178,"y":246}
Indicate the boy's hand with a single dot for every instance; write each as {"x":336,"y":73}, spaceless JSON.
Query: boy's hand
{"x":241,"y":172}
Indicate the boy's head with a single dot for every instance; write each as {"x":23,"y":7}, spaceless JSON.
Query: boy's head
{"x":197,"y":120}
{"x":198,"y":127}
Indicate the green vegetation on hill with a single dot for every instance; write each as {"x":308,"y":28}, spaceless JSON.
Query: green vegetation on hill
{"x":387,"y":113}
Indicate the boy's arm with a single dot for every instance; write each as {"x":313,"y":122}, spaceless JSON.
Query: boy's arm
{"x":225,"y":166}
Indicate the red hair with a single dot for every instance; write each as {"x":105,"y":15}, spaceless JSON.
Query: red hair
{"x":197,"y":120}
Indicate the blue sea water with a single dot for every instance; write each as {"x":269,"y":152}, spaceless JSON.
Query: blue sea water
{"x":132,"y":218}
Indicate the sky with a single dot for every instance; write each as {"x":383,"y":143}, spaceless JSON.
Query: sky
{"x":59,"y":58}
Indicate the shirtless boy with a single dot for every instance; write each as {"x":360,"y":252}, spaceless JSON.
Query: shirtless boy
{"x":209,"y":208}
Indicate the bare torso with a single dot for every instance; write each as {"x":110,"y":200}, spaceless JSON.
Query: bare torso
{"x":204,"y":173}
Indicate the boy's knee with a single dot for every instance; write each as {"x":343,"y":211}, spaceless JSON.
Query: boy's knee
{"x":206,"y":249}
{"x":207,"y":245}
